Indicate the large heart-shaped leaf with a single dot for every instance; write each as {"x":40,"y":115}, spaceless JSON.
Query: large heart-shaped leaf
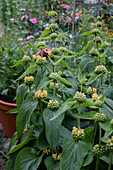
{"x":52,"y":127}
{"x":24,"y":114}
{"x":73,"y":154}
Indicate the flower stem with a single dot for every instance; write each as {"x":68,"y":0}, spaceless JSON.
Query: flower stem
{"x":100,"y":132}
{"x":54,"y":91}
{"x":97,"y":163}
{"x":92,"y":71}
{"x":41,"y":72}
{"x":100,"y":82}
{"x":81,"y":87}
{"x":79,"y":118}
{"x":95,"y":125}
{"x":41,"y":106}
{"x":109,"y":168}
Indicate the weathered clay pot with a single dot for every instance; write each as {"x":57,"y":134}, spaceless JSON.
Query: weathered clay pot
{"x":45,"y":52}
{"x":8,"y":120}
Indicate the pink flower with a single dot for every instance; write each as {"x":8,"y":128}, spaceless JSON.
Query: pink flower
{"x":63,"y":5}
{"x":30,"y":10}
{"x":66,"y":7}
{"x":30,"y":37}
{"x":69,"y":20}
{"x":33,"y":20}
{"x":56,"y":11}
{"x":79,"y":15}
{"x":25,"y":42}
{"x":72,"y":15}
{"x":23,"y":17}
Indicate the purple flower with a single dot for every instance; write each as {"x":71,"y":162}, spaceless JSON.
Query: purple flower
{"x":30,"y":37}
{"x":23,"y":17}
{"x":33,"y":20}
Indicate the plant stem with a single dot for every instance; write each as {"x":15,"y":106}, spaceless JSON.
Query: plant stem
{"x":79,"y":118}
{"x":95,"y":125}
{"x":41,"y":106}
{"x":100,"y":132}
{"x":41,"y":72}
{"x":100,"y":82}
{"x":92,"y":71}
{"x":109,"y":168}
{"x":81,"y":87}
{"x":97,"y":163}
{"x":54,"y":90}
{"x":47,"y":69}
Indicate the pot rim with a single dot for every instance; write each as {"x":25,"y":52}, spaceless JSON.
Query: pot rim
{"x":8,"y":104}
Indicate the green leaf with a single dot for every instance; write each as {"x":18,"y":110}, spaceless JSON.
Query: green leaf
{"x":107,"y":111}
{"x":20,"y":94}
{"x":64,"y":81}
{"x":13,"y":139}
{"x":87,"y":115}
{"x":52,"y":127}
{"x":109,"y":131}
{"x":69,"y":56}
{"x":24,"y":114}
{"x":89,"y":135}
{"x":85,"y":48}
{"x":20,"y":145}
{"x":18,"y":63}
{"x":46,"y":32}
{"x":80,"y":77}
{"x":46,"y":38}
{"x":27,"y":157}
{"x":65,"y":106}
{"x":104,"y":124}
{"x":61,"y":34}
{"x":73,"y":154}
{"x":88,"y":159}
{"x":12,"y":111}
{"x":44,"y":83}
{"x":29,"y":70}
{"x":64,"y":133}
{"x":109,"y":102}
{"x":52,"y":164}
{"x":42,"y":142}
{"x":11,"y":161}
{"x":93,"y":77}
{"x":84,"y":62}
{"x":87,"y":33}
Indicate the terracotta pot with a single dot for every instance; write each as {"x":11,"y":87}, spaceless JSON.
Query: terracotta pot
{"x":8,"y":120}
{"x":45,"y":52}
